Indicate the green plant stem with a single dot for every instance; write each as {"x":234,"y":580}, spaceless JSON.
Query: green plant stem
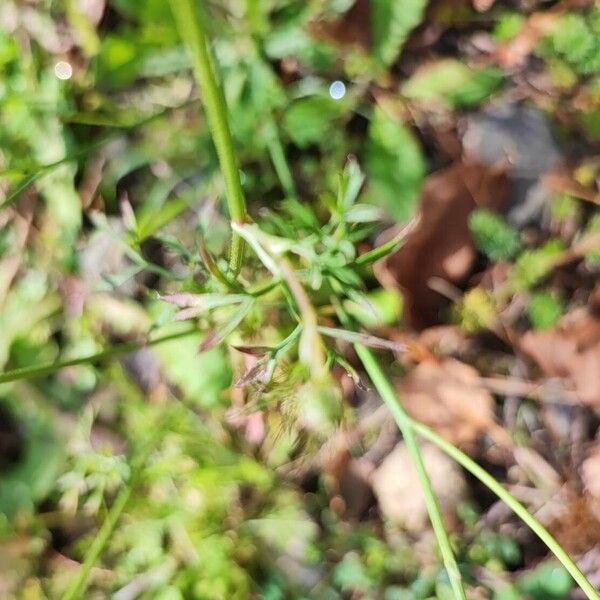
{"x":191,"y":27}
{"x":279,"y":161}
{"x":374,"y":255}
{"x":494,"y":486}
{"x":405,"y":425}
{"x":408,"y":425}
{"x":79,"y":584}
{"x":117,"y":349}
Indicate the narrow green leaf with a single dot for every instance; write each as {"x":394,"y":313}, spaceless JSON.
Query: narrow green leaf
{"x":214,"y":338}
{"x":392,"y":22}
{"x":395,"y":166}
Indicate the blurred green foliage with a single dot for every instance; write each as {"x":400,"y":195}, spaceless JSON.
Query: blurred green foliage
{"x":114,"y":167}
{"x":544,"y":310}
{"x":394,"y":165}
{"x":493,"y":235}
{"x":576,"y":39}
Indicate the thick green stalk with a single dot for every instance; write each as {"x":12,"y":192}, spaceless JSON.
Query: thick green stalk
{"x":405,"y":424}
{"x":191,"y":27}
{"x":47,"y":369}
{"x":494,"y":486}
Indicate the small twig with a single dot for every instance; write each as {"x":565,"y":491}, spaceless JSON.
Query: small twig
{"x":528,"y":389}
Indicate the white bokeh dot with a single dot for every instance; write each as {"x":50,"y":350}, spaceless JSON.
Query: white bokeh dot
{"x":63,"y":70}
{"x":337,"y":90}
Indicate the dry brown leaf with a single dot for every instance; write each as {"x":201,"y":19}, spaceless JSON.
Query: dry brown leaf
{"x":398,"y":490}
{"x":353,"y":29}
{"x":590,"y":472}
{"x":577,"y":527}
{"x":445,"y":340}
{"x":448,"y":397}
{"x":441,"y":245}
{"x":354,"y":487}
{"x":570,"y":350}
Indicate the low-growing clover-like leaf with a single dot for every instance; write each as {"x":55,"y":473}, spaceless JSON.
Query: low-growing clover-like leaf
{"x":533,"y":265}
{"x":310,"y":120}
{"x":577,"y":40}
{"x":453,"y":83}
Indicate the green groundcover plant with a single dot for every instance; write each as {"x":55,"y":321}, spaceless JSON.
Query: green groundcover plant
{"x":301,"y":268}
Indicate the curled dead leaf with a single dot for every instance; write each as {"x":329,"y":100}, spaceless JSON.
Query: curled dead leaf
{"x":440,"y":246}
{"x":449,"y":397}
